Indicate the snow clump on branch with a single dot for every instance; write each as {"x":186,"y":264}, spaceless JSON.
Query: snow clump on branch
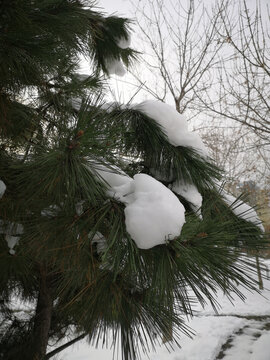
{"x":115,"y":66}
{"x":2,"y":188}
{"x":11,"y":231}
{"x":174,"y":125}
{"x":124,"y":42}
{"x":153,"y":214}
{"x":118,"y":182}
{"x":242,"y":210}
{"x":190,"y":193}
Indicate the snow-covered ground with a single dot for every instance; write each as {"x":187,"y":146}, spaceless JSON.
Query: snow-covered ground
{"x":240,"y":331}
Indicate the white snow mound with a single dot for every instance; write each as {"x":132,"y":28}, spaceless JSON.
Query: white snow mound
{"x":174,"y":125}
{"x":76,"y":103}
{"x":124,"y":43}
{"x":116,"y":67}
{"x":190,"y":193}
{"x":2,"y":188}
{"x":154,"y":214}
{"x":100,"y":241}
{"x":12,"y":241}
{"x":243,"y":210}
{"x":11,"y":231}
{"x":119,"y":182}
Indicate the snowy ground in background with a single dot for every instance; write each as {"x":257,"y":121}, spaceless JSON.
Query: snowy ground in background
{"x":239,"y":332}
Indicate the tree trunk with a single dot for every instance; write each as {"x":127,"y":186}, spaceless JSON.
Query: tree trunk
{"x":43,"y":318}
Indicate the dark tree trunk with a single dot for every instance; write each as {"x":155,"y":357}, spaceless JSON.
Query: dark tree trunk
{"x":42,"y":318}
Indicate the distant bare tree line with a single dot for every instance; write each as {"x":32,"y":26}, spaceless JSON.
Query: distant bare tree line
{"x":214,"y":64}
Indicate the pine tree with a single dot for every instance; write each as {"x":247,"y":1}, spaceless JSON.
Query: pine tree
{"x":68,"y":241}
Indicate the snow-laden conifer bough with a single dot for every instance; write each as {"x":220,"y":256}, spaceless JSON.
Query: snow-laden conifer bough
{"x":153,"y":214}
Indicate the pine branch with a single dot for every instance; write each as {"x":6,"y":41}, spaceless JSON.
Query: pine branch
{"x":63,"y":347}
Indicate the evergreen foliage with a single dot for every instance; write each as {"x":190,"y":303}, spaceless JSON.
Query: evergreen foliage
{"x":49,"y":153}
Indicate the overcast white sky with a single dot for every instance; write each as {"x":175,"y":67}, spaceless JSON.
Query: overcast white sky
{"x":120,"y":6}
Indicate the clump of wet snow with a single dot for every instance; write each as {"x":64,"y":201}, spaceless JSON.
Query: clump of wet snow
{"x":50,"y":211}
{"x":11,"y":236}
{"x":76,"y":103}
{"x":117,"y":181}
{"x":190,"y":193}
{"x":115,"y":66}
{"x":162,"y":176}
{"x":12,"y":241}
{"x":124,"y":42}
{"x":81,"y":77}
{"x":242,"y":210}
{"x":153,"y":214}
{"x":174,"y":125}
{"x":14,"y":228}
{"x":99,"y":240}
{"x":2,"y":188}
{"x":11,"y":231}
{"x":261,"y":348}
{"x":79,"y":208}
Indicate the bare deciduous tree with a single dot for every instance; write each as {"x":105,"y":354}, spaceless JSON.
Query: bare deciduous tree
{"x":243,"y":79}
{"x":181,"y":45}
{"x":213,"y":63}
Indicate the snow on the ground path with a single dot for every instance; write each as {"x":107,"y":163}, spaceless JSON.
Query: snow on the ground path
{"x":174,"y":124}
{"x":242,"y":210}
{"x":190,"y":193}
{"x":154,"y":214}
{"x":249,"y":307}
{"x":83,"y":351}
{"x":261,"y":348}
{"x":212,"y":332}
{"x":2,"y":188}
{"x":252,"y":343}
